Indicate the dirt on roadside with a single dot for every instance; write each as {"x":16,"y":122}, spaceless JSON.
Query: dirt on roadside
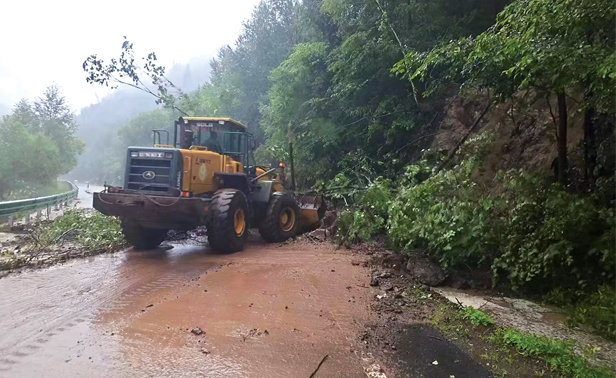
{"x":419,"y":333}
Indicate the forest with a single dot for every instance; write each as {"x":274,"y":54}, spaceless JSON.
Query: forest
{"x":480,"y":132}
{"x":38,"y":144}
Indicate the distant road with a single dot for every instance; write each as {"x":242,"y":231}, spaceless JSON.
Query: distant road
{"x":84,"y":200}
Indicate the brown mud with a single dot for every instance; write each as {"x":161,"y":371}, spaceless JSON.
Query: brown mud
{"x":270,"y":311}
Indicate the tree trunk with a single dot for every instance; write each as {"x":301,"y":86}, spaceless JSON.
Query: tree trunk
{"x":292,"y":166}
{"x":562,"y":138}
{"x":590,"y":148}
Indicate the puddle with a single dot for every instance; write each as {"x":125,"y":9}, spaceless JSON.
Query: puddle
{"x":424,"y":352}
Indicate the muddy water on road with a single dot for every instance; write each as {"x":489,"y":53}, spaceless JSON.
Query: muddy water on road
{"x":269,"y":311}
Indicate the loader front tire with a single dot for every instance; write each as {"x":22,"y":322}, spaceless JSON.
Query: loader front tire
{"x":142,"y":238}
{"x":281,"y":220}
{"x":228,"y":227}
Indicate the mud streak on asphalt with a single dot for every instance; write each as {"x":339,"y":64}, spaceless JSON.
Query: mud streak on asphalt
{"x":130,"y":314}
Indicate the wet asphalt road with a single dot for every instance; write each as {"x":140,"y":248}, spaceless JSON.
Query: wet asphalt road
{"x":130,"y":314}
{"x":84,"y":197}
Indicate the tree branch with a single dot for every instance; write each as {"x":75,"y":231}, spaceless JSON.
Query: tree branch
{"x":465,"y":137}
{"x":402,"y":48}
{"x":147,"y":90}
{"x":417,"y":140}
{"x":547,"y":97}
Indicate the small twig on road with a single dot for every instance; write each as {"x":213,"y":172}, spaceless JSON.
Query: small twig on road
{"x":314,"y":373}
{"x":436,"y":338}
{"x":459,"y":303}
{"x":312,"y":239}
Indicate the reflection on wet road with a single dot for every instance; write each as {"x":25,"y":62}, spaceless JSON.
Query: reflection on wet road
{"x":269,"y":311}
{"x":86,"y":192}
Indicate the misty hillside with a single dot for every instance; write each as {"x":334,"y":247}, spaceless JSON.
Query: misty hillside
{"x":99,"y":123}
{"x":6,"y":105}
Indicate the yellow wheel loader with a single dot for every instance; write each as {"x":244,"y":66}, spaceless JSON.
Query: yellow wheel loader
{"x":208,"y":176}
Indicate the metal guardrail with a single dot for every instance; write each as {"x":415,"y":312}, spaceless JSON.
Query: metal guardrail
{"x":28,"y":206}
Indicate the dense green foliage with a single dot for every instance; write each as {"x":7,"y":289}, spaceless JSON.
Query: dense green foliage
{"x":368,"y":218}
{"x":76,"y":233}
{"x":534,"y":235}
{"x":90,"y":230}
{"x":596,"y":310}
{"x":559,"y":355}
{"x":38,"y":144}
{"x":546,"y":47}
{"x":535,"y":44}
{"x":335,"y":97}
{"x":531,"y":233}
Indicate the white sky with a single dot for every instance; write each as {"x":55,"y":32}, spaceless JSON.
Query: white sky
{"x":45,"y":41}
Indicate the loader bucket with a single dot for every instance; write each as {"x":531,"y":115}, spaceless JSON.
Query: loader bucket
{"x":311,"y":211}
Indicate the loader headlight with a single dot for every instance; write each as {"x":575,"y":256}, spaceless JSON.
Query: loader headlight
{"x":134,"y":154}
{"x":168,"y":155}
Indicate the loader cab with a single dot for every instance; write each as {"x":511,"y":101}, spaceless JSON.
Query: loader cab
{"x":221,"y":135}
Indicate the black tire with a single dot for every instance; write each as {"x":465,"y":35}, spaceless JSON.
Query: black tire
{"x":224,"y":232}
{"x":141,"y":237}
{"x":274,"y":228}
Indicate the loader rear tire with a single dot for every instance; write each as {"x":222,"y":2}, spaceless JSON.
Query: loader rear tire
{"x":281,"y":220}
{"x":228,"y":227}
{"x":142,"y":238}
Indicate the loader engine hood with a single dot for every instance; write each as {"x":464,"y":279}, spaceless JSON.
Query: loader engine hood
{"x":155,"y":171}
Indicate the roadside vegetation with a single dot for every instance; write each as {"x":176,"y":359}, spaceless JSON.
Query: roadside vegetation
{"x":508,"y":347}
{"x":596,"y":310}
{"x":544,"y":225}
{"x":558,"y":355}
{"x":38,"y":144}
{"x":76,"y":233}
{"x":535,"y":236}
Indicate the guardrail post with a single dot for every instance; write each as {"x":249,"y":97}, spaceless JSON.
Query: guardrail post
{"x":11,"y":220}
{"x":27,"y":218}
{"x":48,"y":211}
{"x":39,"y":212}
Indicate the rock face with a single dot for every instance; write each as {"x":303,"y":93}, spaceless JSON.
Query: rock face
{"x":425,"y":271}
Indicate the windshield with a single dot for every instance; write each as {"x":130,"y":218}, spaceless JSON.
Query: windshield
{"x":231,"y":143}
{"x":208,"y":138}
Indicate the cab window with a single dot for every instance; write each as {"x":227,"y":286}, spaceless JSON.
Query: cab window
{"x":233,"y":143}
